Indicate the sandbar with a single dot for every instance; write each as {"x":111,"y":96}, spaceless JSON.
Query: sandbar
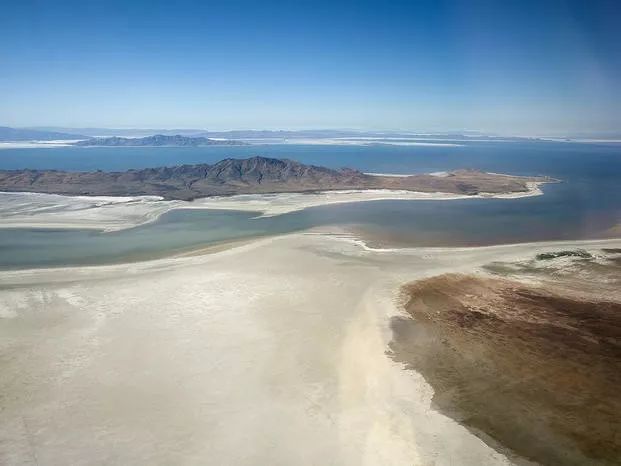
{"x":109,"y":213}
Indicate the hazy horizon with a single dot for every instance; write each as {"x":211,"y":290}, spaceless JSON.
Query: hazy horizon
{"x":612,"y":134}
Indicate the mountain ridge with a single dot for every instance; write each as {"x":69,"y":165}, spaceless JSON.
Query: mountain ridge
{"x":157,"y":140}
{"x":255,"y":175}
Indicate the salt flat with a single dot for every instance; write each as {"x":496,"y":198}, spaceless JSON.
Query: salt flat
{"x":272,"y":352}
{"x":108,"y":213}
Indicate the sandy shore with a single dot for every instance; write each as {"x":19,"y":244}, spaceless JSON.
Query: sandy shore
{"x":272,"y":352}
{"x":36,"y":210}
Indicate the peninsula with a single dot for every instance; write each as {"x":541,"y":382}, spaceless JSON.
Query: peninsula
{"x":256,"y":175}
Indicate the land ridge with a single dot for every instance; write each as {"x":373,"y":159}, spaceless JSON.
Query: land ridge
{"x":255,"y":175}
{"x":157,"y":140}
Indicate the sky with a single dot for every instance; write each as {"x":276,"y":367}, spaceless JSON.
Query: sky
{"x":524,"y":67}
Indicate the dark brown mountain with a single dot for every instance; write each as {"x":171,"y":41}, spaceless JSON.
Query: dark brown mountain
{"x":248,"y":176}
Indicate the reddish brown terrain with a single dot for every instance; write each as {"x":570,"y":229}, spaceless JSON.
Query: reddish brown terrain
{"x":533,"y":369}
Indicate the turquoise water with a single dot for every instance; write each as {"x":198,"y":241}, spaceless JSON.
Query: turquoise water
{"x":585,"y":205}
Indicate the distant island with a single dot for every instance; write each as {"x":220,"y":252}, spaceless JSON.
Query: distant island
{"x":252,"y":176}
{"x":157,"y":140}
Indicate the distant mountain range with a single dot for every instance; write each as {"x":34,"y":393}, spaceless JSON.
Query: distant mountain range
{"x":121,"y":132}
{"x":233,"y":134}
{"x":250,"y":135}
{"x":49,"y":133}
{"x":26,"y":134}
{"x":157,"y":140}
{"x":249,"y":176}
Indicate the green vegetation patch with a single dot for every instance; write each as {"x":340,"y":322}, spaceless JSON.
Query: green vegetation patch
{"x":553,"y":255}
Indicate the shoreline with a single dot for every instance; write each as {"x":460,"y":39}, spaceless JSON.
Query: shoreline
{"x":178,"y":257}
{"x":364,"y":244}
{"x":336,"y":232}
{"x":110,"y":213}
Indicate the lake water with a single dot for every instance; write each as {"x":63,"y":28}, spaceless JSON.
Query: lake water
{"x":586,"y":204}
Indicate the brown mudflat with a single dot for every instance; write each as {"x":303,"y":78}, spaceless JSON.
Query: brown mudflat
{"x":534,"y":371}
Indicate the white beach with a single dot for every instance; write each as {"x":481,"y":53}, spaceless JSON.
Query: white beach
{"x":272,"y":352}
{"x":36,"y":210}
{"x":36,"y":144}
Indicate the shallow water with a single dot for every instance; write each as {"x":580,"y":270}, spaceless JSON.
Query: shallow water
{"x":586,"y":204}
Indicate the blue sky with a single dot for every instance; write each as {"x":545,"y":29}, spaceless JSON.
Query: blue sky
{"x":509,"y":67}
